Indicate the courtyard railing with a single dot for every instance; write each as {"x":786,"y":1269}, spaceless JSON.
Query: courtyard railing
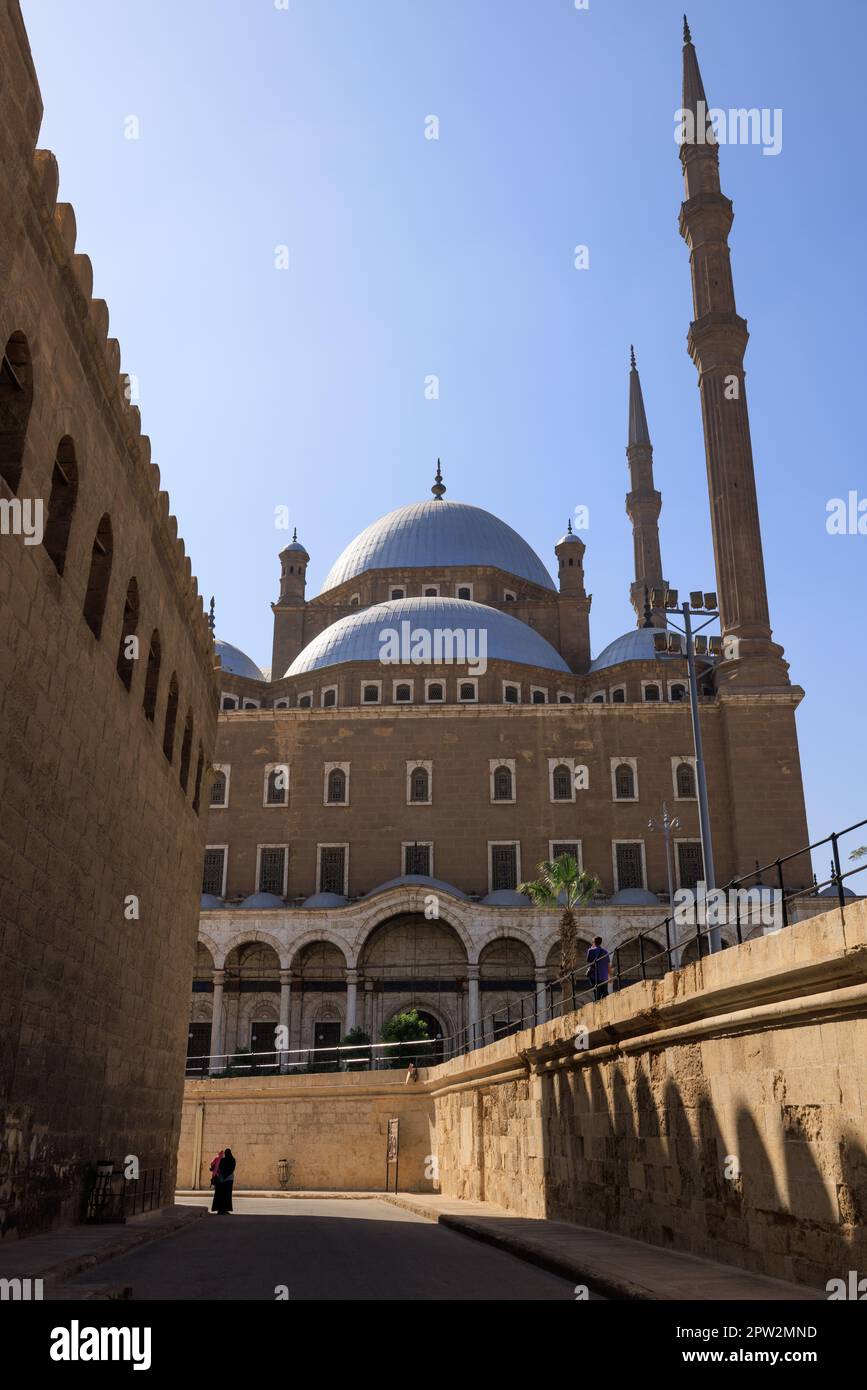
{"x":642,"y":957}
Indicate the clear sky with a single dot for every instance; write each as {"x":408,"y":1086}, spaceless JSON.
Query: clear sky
{"x":304,"y":127}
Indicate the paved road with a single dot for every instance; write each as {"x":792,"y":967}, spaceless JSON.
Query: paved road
{"x":323,"y":1250}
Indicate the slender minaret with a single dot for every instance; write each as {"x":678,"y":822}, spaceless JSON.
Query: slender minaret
{"x":643,"y":505}
{"x":717,"y":341}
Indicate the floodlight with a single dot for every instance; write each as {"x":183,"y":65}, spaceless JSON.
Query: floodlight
{"x":671,"y":598}
{"x":710,"y":602}
{"x":657,"y":598}
{"x":715,"y":646}
{"x":660,"y":642}
{"x":674,"y":642}
{"x":696,"y":599}
{"x":701,"y":646}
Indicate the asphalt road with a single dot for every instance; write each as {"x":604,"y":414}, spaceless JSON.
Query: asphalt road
{"x":323,"y":1250}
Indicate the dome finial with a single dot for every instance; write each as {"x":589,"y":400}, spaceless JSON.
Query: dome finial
{"x":212,"y":622}
{"x":295,"y":533}
{"x":687,"y":36}
{"x":439,"y":487}
{"x":632,"y":358}
{"x":569,"y":527}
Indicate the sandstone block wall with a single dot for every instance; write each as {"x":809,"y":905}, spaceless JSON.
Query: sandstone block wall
{"x":333,"y":1130}
{"x":721,"y":1111}
{"x":97,"y":802}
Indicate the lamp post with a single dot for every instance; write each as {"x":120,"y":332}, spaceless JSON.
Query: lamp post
{"x":668,"y":644}
{"x":666,"y":825}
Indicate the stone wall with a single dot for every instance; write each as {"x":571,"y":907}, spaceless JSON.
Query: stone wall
{"x":100,"y":796}
{"x":720,"y":1111}
{"x":332,"y":1129}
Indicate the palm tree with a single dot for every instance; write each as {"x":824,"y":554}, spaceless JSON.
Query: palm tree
{"x":561,"y":883}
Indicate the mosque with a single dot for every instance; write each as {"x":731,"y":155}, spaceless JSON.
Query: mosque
{"x":434,"y":725}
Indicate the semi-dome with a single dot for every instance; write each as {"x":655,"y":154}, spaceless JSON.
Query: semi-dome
{"x":236,"y":662}
{"x":262,"y":901}
{"x":429,"y":535}
{"x":634,"y":897}
{"x":436,"y":885}
{"x":325,"y":900}
{"x":636,"y":645}
{"x":505,"y":897}
{"x":360,"y":636}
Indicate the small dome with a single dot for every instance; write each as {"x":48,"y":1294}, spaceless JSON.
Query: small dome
{"x":236,"y":662}
{"x":634,"y":897}
{"x":325,"y":900}
{"x":436,"y":885}
{"x":209,"y":902}
{"x":506,"y":897}
{"x":636,"y":645}
{"x":359,"y":637}
{"x":832,"y":892}
{"x":433,"y":534}
{"x":262,"y":900}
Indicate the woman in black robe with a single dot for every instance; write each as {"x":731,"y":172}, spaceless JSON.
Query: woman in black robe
{"x":224,"y":1180}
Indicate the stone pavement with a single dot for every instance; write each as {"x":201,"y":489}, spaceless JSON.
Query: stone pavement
{"x":58,"y":1255}
{"x":613,"y":1265}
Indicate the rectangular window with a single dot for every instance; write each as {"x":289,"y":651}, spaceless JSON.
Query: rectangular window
{"x":272,"y":869}
{"x":629,"y":870}
{"x":332,"y":868}
{"x":504,"y":866}
{"x":417,"y":859}
{"x":690,"y":865}
{"x":569,"y":847}
{"x":214,"y":871}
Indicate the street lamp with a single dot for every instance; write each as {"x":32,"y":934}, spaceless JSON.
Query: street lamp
{"x":666,"y":825}
{"x":668,"y":644}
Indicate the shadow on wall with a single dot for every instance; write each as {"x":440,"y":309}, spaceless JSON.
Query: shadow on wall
{"x":652,"y":1155}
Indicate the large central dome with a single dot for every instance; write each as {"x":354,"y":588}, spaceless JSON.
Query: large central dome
{"x":429,"y":535}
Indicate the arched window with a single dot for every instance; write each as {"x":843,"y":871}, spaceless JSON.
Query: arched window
{"x":337,"y":787}
{"x":651,"y":692}
{"x":277,"y":790}
{"x":419,"y":785}
{"x":152,"y":677}
{"x":678,"y":693}
{"x":468,"y":690}
{"x":503,"y":784}
{"x":618,"y":696}
{"x":329,"y":698}
{"x":16,"y":398}
{"x":229,"y":702}
{"x":624,"y":782}
{"x":685,"y":780}
{"x":100,"y":574}
{"x":435,"y":692}
{"x":127,"y":650}
{"x":403,"y":692}
{"x":562,"y":780}
{"x":510,"y":694}
{"x":197,"y":791}
{"x":538,"y":697}
{"x":465,"y":592}
{"x":186,"y":749}
{"x":61,"y":503}
{"x":371,"y":694}
{"x":305,"y":701}
{"x":218,"y":789}
{"x":171,"y":718}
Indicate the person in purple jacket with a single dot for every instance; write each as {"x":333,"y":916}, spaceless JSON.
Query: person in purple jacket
{"x":598,"y":963}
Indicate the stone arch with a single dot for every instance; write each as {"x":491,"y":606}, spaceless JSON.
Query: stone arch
{"x":210,"y":946}
{"x":323,"y":934}
{"x":411,"y":900}
{"x":202,"y":1011}
{"x":244,"y":938}
{"x":434,"y":942}
{"x":320,"y":960}
{"x":517,"y":933}
{"x":434,"y":1007}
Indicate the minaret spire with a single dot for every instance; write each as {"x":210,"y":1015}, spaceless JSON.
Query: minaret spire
{"x":212,"y":622}
{"x":717,"y":342}
{"x":643,"y":505}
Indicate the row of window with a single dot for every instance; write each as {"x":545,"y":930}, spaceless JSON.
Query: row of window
{"x":16,"y":398}
{"x":462,"y":590}
{"x":417,"y":857}
{"x":466,"y":692}
{"x":565,"y":779}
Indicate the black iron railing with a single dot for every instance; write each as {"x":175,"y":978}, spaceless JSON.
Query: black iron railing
{"x":113,"y":1197}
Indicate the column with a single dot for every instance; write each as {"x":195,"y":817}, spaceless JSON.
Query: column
{"x":541,"y":994}
{"x":216,"y":1045}
{"x":285,"y":1003}
{"x":351,"y":1000}
{"x":473,"y":1029}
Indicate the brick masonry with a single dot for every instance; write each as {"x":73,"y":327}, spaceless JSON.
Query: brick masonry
{"x":92,"y":1005}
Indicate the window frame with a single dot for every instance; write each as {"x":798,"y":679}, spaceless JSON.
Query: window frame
{"x":394,"y":687}
{"x":510,"y":685}
{"x":660,"y":686}
{"x":333,"y":844}
{"x":435,"y":680}
{"x":420,"y":844}
{"x":676,"y":762}
{"x":474,"y":682}
{"x":378,"y":685}
{"x":269,"y":768}
{"x":328,"y":768}
{"x":614,"y":844}
{"x":632,"y":763}
{"x":326,"y":690}
{"x":579,"y":846}
{"x":412,"y":765}
{"x":553,"y":764}
{"x":511,"y":844}
{"x":539,"y":690}
{"x":224,"y":849}
{"x":259,"y":888}
{"x":493,"y":766}
{"x":225,"y":768}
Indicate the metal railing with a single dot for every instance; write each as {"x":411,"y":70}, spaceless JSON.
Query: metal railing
{"x":113,"y":1197}
{"x":642,"y":957}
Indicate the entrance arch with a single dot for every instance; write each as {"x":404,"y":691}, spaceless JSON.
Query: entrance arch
{"x":410,"y":961}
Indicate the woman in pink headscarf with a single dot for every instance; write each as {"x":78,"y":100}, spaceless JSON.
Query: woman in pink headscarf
{"x":215,"y":1164}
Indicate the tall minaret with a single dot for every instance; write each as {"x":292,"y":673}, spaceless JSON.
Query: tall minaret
{"x":643,"y":504}
{"x":716,"y":342}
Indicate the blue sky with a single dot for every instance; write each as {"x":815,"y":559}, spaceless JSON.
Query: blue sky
{"x":262,"y":127}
